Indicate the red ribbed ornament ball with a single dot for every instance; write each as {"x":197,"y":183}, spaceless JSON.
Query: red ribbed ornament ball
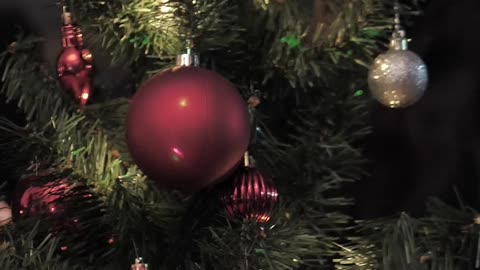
{"x":187,"y":128}
{"x":251,"y":196}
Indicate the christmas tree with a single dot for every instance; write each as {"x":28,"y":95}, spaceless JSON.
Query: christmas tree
{"x":79,"y":200}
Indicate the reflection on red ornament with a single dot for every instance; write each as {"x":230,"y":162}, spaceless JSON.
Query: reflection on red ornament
{"x":251,"y":196}
{"x":111,"y":241}
{"x":64,"y":248}
{"x":85,"y":96}
{"x":177,"y":154}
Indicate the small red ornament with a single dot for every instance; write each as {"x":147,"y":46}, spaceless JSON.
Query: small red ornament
{"x":250,"y":195}
{"x":74,"y":63}
{"x":187,"y":128}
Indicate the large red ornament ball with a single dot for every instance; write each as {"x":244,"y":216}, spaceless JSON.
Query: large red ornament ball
{"x":250,"y":195}
{"x":187,"y":128}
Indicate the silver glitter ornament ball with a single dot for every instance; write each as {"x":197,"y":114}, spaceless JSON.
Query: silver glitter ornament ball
{"x":398,"y":78}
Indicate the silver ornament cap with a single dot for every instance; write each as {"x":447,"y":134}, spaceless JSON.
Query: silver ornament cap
{"x":139,"y":264}
{"x":398,"y":78}
{"x":188,"y":59}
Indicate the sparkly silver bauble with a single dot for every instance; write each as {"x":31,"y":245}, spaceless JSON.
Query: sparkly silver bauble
{"x":398,"y":78}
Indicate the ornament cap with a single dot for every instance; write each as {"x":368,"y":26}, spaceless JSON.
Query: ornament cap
{"x":188,"y":59}
{"x":399,"y":41}
{"x":246,"y":159}
{"x":139,"y":264}
{"x":66,"y":16}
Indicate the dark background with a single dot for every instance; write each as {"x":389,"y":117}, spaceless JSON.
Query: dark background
{"x":432,"y":147}
{"x":422,"y":151}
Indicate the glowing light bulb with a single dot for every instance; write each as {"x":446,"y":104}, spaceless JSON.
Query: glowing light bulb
{"x":165,"y":9}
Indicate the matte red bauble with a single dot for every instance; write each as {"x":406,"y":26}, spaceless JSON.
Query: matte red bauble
{"x":250,"y":196}
{"x":187,"y":128}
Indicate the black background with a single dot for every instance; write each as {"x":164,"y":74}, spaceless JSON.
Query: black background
{"x":421,"y":151}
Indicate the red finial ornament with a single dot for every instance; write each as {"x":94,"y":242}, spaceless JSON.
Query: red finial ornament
{"x":251,"y":195}
{"x":75,"y":63}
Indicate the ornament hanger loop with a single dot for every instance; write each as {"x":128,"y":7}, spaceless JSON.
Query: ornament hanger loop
{"x":397,"y":21}
{"x":189,"y":58}
{"x":66,"y":13}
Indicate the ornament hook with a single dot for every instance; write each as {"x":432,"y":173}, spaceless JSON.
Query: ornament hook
{"x":66,"y":15}
{"x":189,"y":58}
{"x":399,"y":39}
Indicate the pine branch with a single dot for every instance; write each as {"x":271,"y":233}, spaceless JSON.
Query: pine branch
{"x":67,"y":140}
{"x":131,"y":30}
{"x":308,"y":50}
{"x":287,"y":242}
{"x":447,"y":239}
{"x":20,"y":250}
{"x":24,"y":75}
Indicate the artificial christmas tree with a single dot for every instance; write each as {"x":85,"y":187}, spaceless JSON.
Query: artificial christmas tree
{"x":306,"y":59}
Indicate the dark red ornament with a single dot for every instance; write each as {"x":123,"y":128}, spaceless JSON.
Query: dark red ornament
{"x":250,"y":195}
{"x":187,"y":128}
{"x":35,"y":198}
{"x":75,"y":63}
{"x":65,"y":209}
